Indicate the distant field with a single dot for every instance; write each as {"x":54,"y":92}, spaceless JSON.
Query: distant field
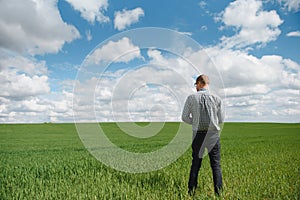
{"x":48,"y":161}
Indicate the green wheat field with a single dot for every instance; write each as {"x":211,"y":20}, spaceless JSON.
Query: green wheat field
{"x":48,"y":161}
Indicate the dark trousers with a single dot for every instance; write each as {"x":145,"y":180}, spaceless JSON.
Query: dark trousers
{"x":211,"y":142}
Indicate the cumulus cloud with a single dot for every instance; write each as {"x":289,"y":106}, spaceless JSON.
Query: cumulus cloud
{"x":252,"y":86}
{"x":186,"y":33}
{"x":89,"y":36}
{"x":253,"y":25}
{"x":25,"y":92}
{"x":122,"y":50}
{"x":291,"y":5}
{"x":202,"y":4}
{"x":91,"y":10}
{"x":132,"y":95}
{"x":153,"y":91}
{"x":125,"y":18}
{"x":246,"y":70}
{"x":20,"y":86}
{"x":53,"y":107}
{"x":31,"y":110}
{"x":27,"y":29}
{"x":262,"y":88}
{"x":22,"y":77}
{"x":256,"y":87}
{"x":60,"y":106}
{"x":33,"y":27}
{"x":179,"y":65}
{"x":293,"y":34}
{"x":278,"y":105}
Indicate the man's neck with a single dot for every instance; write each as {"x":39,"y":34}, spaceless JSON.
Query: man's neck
{"x":203,"y":88}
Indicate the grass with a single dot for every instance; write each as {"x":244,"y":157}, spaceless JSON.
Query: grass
{"x":48,"y":161}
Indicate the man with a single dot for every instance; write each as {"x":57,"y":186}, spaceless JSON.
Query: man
{"x":205,"y":112}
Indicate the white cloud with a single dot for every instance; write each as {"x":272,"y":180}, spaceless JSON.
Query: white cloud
{"x":202,"y":4}
{"x":89,"y":36}
{"x":246,"y":90}
{"x":186,"y":33}
{"x":122,"y":50}
{"x":132,"y":95}
{"x":85,"y":93}
{"x":279,"y":106}
{"x":258,"y":89}
{"x":252,"y":23}
{"x":53,"y":107}
{"x":179,"y":66}
{"x":25,"y":92}
{"x":22,"y":77}
{"x":61,"y":106}
{"x":291,"y":5}
{"x":21,"y":85}
{"x":125,"y":18}
{"x":33,"y":104}
{"x":255,"y":87}
{"x":20,"y":64}
{"x":154,"y":91}
{"x":34,"y":27}
{"x":247,"y":70}
{"x":293,"y":34}
{"x":91,"y":10}
{"x":31,"y":27}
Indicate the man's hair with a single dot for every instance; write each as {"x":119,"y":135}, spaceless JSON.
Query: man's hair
{"x":203,"y":79}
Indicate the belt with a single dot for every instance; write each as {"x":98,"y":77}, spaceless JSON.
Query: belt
{"x":202,"y":131}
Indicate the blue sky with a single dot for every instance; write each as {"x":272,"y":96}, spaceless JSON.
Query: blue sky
{"x":254,"y":45}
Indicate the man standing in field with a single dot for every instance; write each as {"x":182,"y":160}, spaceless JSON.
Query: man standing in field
{"x":205,"y":112}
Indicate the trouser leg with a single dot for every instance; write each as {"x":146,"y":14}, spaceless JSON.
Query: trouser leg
{"x":193,"y":180}
{"x":214,"y":156}
{"x":196,"y":162}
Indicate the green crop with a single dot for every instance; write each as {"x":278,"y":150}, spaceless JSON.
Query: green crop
{"x":48,"y":161}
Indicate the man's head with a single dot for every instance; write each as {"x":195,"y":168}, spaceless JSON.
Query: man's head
{"x":202,"y":81}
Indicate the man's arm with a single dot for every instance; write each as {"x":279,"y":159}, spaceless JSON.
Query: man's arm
{"x":221,"y":112}
{"x":186,"y":113}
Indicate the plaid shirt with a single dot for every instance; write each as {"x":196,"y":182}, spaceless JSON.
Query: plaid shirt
{"x":204,"y":111}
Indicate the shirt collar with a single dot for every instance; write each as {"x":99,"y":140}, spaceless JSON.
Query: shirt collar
{"x":203,"y":90}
